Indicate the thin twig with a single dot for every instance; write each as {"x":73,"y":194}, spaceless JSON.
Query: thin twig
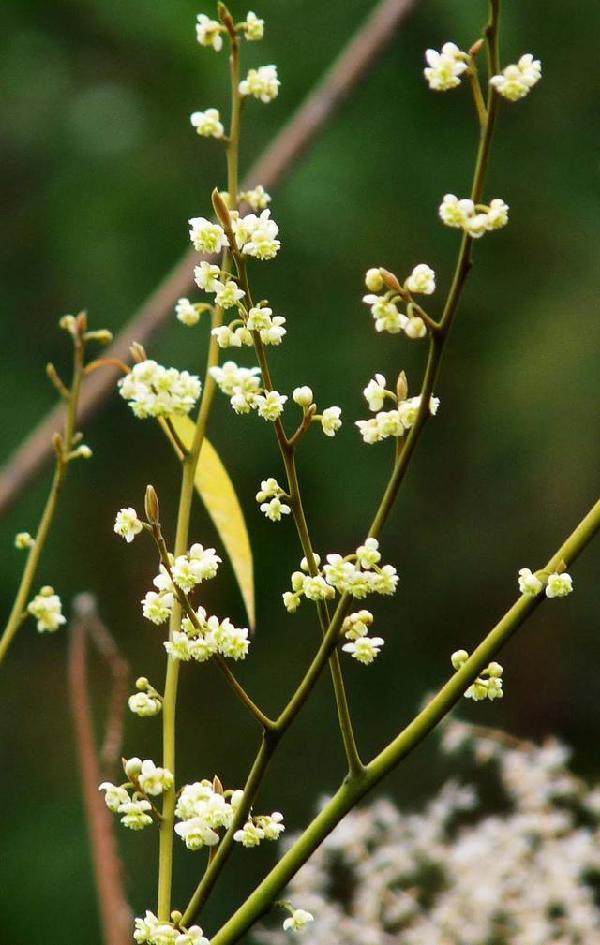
{"x":114,"y":909}
{"x":280,"y":157}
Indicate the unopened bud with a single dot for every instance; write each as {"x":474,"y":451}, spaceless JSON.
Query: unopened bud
{"x":391,"y":281}
{"x":217,"y":786}
{"x":221,"y":208}
{"x":138,"y":353}
{"x":374,"y":280}
{"x":416,"y":328}
{"x":176,"y":917}
{"x":459,"y":658}
{"x":476,"y":47}
{"x":68,"y":323}
{"x":495,"y":669}
{"x":303,"y":396}
{"x":46,"y":591}
{"x":402,"y":387}
{"x":151,"y":505}
{"x":103,"y":336}
{"x":57,"y":443}
{"x":141,"y":683}
{"x":132,"y":767}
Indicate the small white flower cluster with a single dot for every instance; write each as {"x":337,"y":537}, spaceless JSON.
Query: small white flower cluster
{"x":557,"y":585}
{"x":24,"y":541}
{"x":145,"y":780}
{"x":269,"y":497}
{"x":127,"y":524}
{"x":474,"y":219}
{"x":361,"y":646}
{"x":257,"y":198}
{"x":203,"y":809}
{"x":147,"y":701}
{"x":209,"y":32}
{"x":255,"y":235}
{"x":395,"y":422}
{"x":150,"y":931}
{"x":156,"y":391}
{"x":297,"y":920}
{"x":198,"y":565}
{"x":384,"y":308}
{"x":188,"y":313}
{"x":330,"y":418}
{"x":208,"y":123}
{"x":521,"y":870}
{"x":207,"y":636}
{"x":517,"y":80}
{"x":488,"y":684}
{"x":262,"y":83}
{"x":445,"y":68}
{"x":359,"y":574}
{"x":46,"y":607}
{"x":242,"y":386}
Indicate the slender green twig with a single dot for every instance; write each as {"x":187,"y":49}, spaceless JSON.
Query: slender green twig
{"x":63,"y":448}
{"x":351,"y":791}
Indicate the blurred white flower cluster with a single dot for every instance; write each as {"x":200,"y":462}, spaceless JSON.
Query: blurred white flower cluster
{"x":450,"y":875}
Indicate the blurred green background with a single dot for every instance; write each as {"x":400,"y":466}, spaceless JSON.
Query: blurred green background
{"x":101,"y":172}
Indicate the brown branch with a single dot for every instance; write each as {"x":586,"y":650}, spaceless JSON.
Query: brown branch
{"x":278,"y":160}
{"x":114,"y":909}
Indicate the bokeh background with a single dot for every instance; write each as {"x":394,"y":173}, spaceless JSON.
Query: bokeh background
{"x":100,"y":173}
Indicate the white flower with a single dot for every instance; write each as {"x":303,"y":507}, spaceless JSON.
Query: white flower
{"x":113,"y":796}
{"x":179,"y":647}
{"x":528,"y":583}
{"x":408,"y":409}
{"x":144,"y":928}
{"x":415,"y":328}
{"x":262,"y":232}
{"x":144,"y":705}
{"x":516,"y":81}
{"x":241,"y":384}
{"x":196,"y":833}
{"x":274,"y":509}
{"x":298,"y":919}
{"x":257,"y":198}
{"x":386,"y":314}
{"x":364,"y":649}
{"x":268,"y":488}
{"x":187,"y":313}
{"x":206,"y":236}
{"x":445,"y":68}
{"x":476,"y":225}
{"x":228,"y":294}
{"x":164,"y":934}
{"x":207,"y":123}
{"x":459,"y":658}
{"x":199,"y":565}
{"x":46,"y":607}
{"x":154,"y":780}
{"x":157,"y":606}
{"x":455,"y":212}
{"x":271,"y":825}
{"x":254,"y":28}
{"x":559,"y":585}
{"x":193,"y":936}
{"x":24,"y":540}
{"x":135,"y":815}
{"x":127,"y":524}
{"x":374,"y":392}
{"x":250,"y":835}
{"x":262,"y":83}
{"x":269,"y":326}
{"x":357,"y":625}
{"x":156,"y":391}
{"x":497,"y":214}
{"x":303,"y":396}
{"x":368,"y":555}
{"x":232,"y":642}
{"x":270,"y":404}
{"x":207,"y":276}
{"x":421,"y":280}
{"x":384,"y":581}
{"x":317,"y":588}
{"x":330,"y":420}
{"x":208,"y":32}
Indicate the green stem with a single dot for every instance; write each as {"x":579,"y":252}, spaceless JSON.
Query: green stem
{"x":18,"y":613}
{"x":190,"y":463}
{"x":352,"y":791}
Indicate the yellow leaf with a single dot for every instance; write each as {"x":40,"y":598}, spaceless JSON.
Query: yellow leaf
{"x":218,"y":494}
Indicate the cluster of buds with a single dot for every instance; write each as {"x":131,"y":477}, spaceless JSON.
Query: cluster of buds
{"x":46,"y":607}
{"x":558,"y":584}
{"x":397,"y":421}
{"x":269,"y":498}
{"x":131,"y":799}
{"x":358,"y":574}
{"x":488,"y":684}
{"x":204,"y":810}
{"x":155,"y":391}
{"x":360,"y":645}
{"x":385,"y":305}
{"x":150,"y":931}
{"x":24,"y":541}
{"x":243,"y":387}
{"x":202,"y":637}
{"x":474,"y":219}
{"x":147,"y":701}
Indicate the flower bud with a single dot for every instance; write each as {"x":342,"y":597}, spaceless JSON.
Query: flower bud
{"x":133,"y":767}
{"x":221,"y":208}
{"x":151,"y":505}
{"x":138,"y":353}
{"x":402,"y":387}
{"x":303,"y":396}
{"x":142,"y":683}
{"x":374,"y":280}
{"x":416,"y":328}
{"x":459,"y":658}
